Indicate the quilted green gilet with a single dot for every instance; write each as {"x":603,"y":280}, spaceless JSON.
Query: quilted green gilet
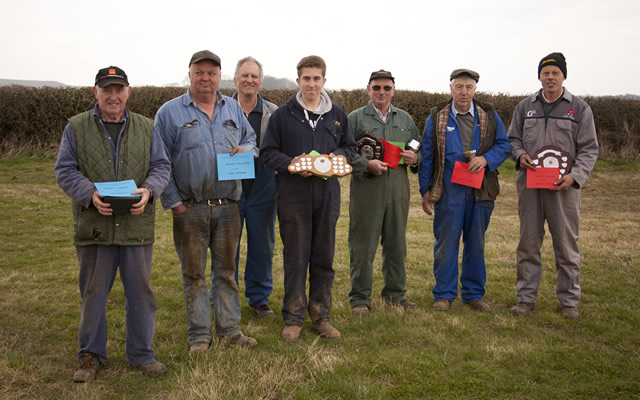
{"x":95,"y":161}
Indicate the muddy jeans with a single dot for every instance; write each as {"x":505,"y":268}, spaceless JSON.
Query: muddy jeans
{"x":217,"y":228}
{"x":308,"y":231}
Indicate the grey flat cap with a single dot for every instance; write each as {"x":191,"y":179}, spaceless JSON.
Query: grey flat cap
{"x":465,"y":72}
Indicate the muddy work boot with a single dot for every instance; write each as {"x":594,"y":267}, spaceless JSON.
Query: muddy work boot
{"x":325,"y":330}
{"x":291,"y":333}
{"x":479,"y":305}
{"x":263,"y":311}
{"x":408,"y":305}
{"x":523,"y":309}
{"x":441,"y":305}
{"x":89,"y":365}
{"x":198,"y":347}
{"x":242,"y":340}
{"x":570,"y":312}
{"x":153,"y":369}
{"x":361,"y":310}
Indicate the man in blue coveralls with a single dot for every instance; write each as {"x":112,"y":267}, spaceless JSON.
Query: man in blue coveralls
{"x":468,"y":131}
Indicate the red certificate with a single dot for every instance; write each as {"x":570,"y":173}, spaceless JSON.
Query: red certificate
{"x":462,"y":176}
{"x":391,"y":154}
{"x":542,"y":178}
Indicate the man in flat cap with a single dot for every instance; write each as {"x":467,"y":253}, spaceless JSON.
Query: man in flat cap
{"x":196,"y":127}
{"x":556,"y":118}
{"x":462,"y":130}
{"x":379,"y":197}
{"x":108,"y":144}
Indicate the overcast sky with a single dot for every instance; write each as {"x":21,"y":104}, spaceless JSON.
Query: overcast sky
{"x":420,"y":42}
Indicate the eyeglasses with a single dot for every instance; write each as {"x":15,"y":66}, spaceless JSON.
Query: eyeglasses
{"x":378,"y":87}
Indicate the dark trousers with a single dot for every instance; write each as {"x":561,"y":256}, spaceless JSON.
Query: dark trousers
{"x":98,"y":268}
{"x":308,"y":211}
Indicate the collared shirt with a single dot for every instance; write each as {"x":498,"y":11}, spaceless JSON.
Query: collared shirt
{"x":455,"y":111}
{"x":382,"y":116}
{"x":192,"y":140}
{"x":255,"y":120}
{"x":254,"y":117}
{"x":466,"y":121}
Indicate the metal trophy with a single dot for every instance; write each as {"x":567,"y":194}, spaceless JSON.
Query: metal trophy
{"x":553,"y":157}
{"x":413,"y":145}
{"x":469,"y":154}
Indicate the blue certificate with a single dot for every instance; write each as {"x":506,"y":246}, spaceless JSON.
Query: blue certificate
{"x":117,"y":189}
{"x":237,"y":166}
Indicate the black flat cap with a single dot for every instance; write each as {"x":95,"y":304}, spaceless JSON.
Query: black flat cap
{"x":381,"y":74}
{"x":205,"y":55}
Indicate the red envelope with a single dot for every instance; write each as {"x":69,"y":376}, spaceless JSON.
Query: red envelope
{"x":391,"y":154}
{"x":542,"y":178}
{"x":462,"y":176}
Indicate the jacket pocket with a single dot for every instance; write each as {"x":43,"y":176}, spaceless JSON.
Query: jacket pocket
{"x":490,"y":187}
{"x":531,"y":132}
{"x":139,"y":228}
{"x":231,"y":136}
{"x":191,"y":137}
{"x":91,"y":226}
{"x":563,"y":134}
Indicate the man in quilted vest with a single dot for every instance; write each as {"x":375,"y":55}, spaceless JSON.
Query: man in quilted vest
{"x":108,"y":144}
{"x":462,"y":130}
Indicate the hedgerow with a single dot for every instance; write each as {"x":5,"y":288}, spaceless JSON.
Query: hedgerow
{"x":32,"y":119}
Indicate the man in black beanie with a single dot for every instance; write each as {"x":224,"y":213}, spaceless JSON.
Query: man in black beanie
{"x":551,"y":121}
{"x":556,"y":59}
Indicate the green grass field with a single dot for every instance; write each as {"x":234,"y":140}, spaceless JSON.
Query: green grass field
{"x":460,"y":354}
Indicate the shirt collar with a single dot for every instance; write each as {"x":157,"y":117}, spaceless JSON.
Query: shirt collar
{"x":188,"y":99}
{"x":456,"y":112}
{"x":382,"y":116}
{"x":97,"y":113}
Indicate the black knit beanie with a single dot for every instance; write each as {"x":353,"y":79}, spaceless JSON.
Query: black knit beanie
{"x":556,"y":59}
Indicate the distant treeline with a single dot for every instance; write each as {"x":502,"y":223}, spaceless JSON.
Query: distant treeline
{"x":32,"y":119}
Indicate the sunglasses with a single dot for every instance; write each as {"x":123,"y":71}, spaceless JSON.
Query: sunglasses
{"x":378,"y":87}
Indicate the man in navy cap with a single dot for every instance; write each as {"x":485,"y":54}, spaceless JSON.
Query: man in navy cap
{"x":110,"y":143}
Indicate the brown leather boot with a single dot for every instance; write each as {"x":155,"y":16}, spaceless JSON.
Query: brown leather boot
{"x":325,"y":330}
{"x":291,"y":333}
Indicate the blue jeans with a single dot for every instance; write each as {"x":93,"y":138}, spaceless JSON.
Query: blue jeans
{"x":98,"y":268}
{"x":457,"y":214}
{"x":259,"y":213}
{"x":217,"y":228}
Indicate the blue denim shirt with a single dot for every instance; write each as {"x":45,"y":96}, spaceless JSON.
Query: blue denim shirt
{"x":192,"y":140}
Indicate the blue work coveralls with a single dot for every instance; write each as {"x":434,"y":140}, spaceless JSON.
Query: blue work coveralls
{"x":458,"y":212}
